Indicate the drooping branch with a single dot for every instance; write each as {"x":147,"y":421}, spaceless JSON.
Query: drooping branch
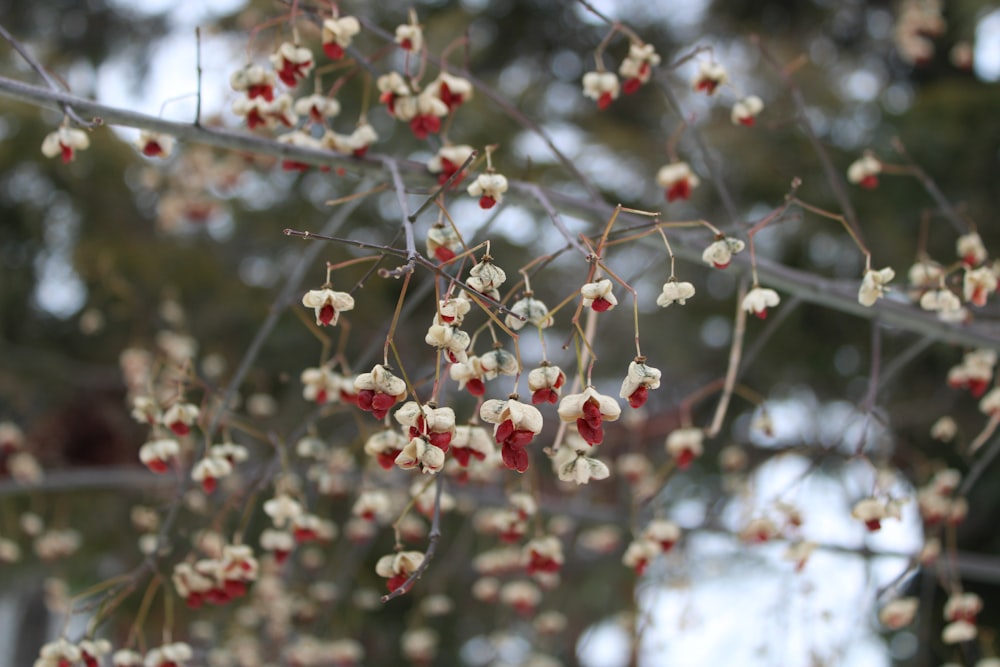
{"x":836,"y":295}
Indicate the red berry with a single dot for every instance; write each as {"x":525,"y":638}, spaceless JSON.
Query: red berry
{"x":638,"y":397}
{"x":600,"y":304}
{"x":515,"y":458}
{"x":333,"y":50}
{"x":593,"y":435}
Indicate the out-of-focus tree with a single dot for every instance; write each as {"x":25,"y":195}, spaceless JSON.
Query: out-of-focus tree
{"x":776,"y":354}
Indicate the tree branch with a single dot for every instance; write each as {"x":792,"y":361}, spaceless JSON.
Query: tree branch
{"x":837,"y":295}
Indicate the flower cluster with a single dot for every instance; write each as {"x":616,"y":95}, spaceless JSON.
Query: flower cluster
{"x":431,"y":430}
{"x":444,"y":333}
{"x":488,"y":188}
{"x":720,"y":253}
{"x":599,"y":295}
{"x":155,"y":144}
{"x":960,"y":611}
{"x":337,"y":34}
{"x":442,"y":242}
{"x":677,"y":180}
{"x":486,"y":277}
{"x":423,"y":110}
{"x":216,"y":580}
{"x":602,"y":87}
{"x":873,"y":285}
{"x":385,"y":446}
{"x":936,"y":500}
{"x":684,"y":445}
{"x":659,"y":537}
{"x":448,"y":160}
{"x":638,"y":381}
{"x":471,"y":442}
{"x":974,"y":373}
{"x":532,"y":310}
{"x":709,"y":77}
{"x":398,"y":567}
{"x":545,"y":383}
{"x":864,"y":171}
{"x":746,"y":110}
{"x":292,"y":63}
{"x":327,"y":305}
{"x":572,"y":461}
{"x":378,"y":391}
{"x":589,"y":410}
{"x":759,"y":299}
{"x":65,"y":142}
{"x":637,"y":67}
{"x":872,"y":511}
{"x":515,"y":426}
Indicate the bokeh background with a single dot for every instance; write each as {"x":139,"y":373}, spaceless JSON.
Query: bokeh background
{"x":110,"y":251}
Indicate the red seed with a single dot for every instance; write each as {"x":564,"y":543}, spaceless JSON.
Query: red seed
{"x":443,"y":255}
{"x":180,"y":428}
{"x":515,"y":458}
{"x":440,"y":440}
{"x":461,"y":455}
{"x":504,"y":431}
{"x":600,"y":304}
{"x":638,"y":397}
{"x":383,"y":401}
{"x":679,"y":190}
{"x":365,"y":398}
{"x":593,"y":436}
{"x":333,"y":50}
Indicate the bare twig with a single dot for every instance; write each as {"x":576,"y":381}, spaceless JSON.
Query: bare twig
{"x":443,"y":186}
{"x":49,"y":80}
{"x":197,"y":111}
{"x":718,"y":182}
{"x":539,"y":194}
{"x":397,"y":182}
{"x":735,"y":350}
{"x":932,"y":189}
{"x":840,"y":296}
{"x":281,"y":301}
{"x":432,"y":542}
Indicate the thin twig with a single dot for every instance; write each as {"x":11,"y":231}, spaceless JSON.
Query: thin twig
{"x":281,"y":301}
{"x":735,"y":350}
{"x":840,"y":296}
{"x":833,"y":176}
{"x":443,"y":186}
{"x":539,"y":194}
{"x":714,"y":172}
{"x":197,"y":52}
{"x":397,"y":182}
{"x":52,"y":83}
{"x":932,"y":189}
{"x":432,"y":542}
